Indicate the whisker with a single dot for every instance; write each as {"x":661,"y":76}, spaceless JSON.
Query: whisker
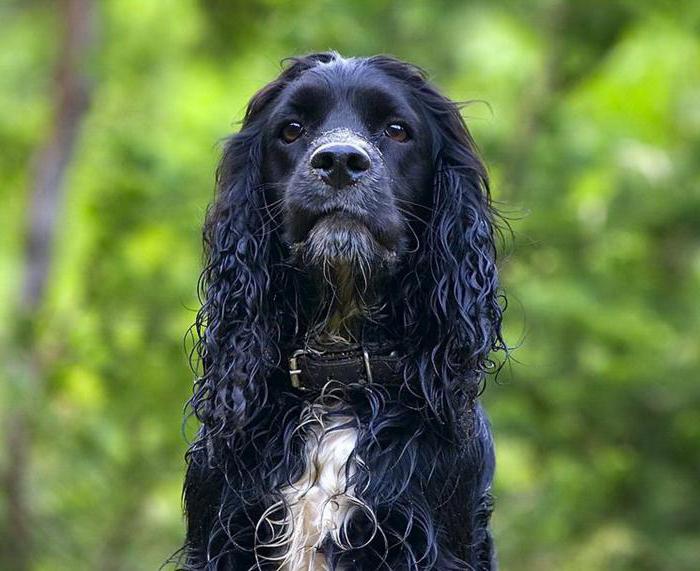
{"x":411,"y":203}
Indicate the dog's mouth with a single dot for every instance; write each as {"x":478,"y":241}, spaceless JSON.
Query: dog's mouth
{"x":347,"y":223}
{"x":339,"y":218}
{"x":336,"y":216}
{"x":342,"y":237}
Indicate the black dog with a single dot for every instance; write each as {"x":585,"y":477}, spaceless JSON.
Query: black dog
{"x":350,"y":304}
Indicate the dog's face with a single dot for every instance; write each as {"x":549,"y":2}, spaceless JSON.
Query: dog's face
{"x":347,"y":156}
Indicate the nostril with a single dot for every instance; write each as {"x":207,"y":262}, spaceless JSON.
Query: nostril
{"x":323,"y":160}
{"x":358,"y":162}
{"x":339,"y":165}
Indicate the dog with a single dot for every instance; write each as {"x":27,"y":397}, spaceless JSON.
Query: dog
{"x":350,"y":310}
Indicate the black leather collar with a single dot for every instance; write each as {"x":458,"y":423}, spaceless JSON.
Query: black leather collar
{"x":310,"y":369}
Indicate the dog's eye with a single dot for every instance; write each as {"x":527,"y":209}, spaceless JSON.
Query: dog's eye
{"x":291,"y":132}
{"x":396,"y":132}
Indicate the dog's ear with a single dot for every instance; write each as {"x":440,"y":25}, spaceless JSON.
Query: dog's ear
{"x":453,"y":312}
{"x":237,"y":333}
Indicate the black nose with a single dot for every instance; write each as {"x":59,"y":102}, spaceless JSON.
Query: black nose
{"x":340,"y":164}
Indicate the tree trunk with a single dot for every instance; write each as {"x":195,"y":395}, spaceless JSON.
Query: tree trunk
{"x":71,"y":98}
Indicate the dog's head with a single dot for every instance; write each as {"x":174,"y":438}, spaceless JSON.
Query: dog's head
{"x":347,"y":156}
{"x":361,"y":168}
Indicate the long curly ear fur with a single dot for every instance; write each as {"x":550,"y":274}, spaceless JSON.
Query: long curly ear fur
{"x":451,"y":291}
{"x":237,"y":331}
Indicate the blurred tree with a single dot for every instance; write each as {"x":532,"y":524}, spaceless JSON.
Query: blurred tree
{"x":71,"y":99}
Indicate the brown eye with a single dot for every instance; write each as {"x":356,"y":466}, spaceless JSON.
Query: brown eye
{"x":291,"y":132}
{"x":396,"y":132}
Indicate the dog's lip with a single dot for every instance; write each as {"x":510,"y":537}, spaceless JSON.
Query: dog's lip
{"x":352,"y":217}
{"x":348,"y":214}
{"x":340,"y":214}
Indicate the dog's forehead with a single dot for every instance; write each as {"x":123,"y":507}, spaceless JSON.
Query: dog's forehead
{"x":353,"y":80}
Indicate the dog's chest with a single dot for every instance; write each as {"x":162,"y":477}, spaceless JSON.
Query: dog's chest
{"x":320,"y":501}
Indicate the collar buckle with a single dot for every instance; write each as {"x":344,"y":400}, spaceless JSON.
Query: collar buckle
{"x":294,"y":368}
{"x":368,"y":367}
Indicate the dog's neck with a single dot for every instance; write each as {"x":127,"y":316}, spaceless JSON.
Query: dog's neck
{"x":345,"y":311}
{"x":343,"y":304}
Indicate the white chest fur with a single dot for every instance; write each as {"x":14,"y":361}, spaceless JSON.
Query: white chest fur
{"x":317,"y":505}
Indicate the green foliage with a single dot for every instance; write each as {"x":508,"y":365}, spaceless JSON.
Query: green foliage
{"x":592,"y":134}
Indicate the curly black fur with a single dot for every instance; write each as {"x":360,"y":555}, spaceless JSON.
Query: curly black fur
{"x":426,"y":451}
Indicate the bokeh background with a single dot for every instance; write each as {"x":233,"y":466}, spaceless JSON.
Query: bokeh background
{"x":588,"y":114}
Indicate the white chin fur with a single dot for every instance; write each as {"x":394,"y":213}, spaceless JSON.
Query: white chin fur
{"x":343,"y":242}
